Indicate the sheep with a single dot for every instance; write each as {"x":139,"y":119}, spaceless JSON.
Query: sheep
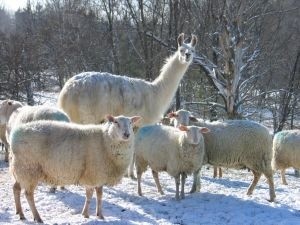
{"x":7,"y":107}
{"x":239,"y":144}
{"x":13,"y":113}
{"x":62,"y":153}
{"x":185,"y":117}
{"x":178,"y":151}
{"x":89,"y":96}
{"x":286,"y":151}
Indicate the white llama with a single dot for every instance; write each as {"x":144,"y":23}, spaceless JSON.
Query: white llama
{"x":89,"y":96}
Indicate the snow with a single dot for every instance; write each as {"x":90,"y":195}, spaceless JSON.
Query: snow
{"x":221,"y":201}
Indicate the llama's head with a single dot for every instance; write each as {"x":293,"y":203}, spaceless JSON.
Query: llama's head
{"x":186,"y":50}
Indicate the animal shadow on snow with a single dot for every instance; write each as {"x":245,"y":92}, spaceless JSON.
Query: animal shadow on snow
{"x":75,"y":202}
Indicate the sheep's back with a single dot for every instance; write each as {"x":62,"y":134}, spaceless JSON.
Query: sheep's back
{"x":238,"y":143}
{"x":55,"y":150}
{"x":158,"y":145}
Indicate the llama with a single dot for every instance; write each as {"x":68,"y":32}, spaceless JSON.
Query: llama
{"x":89,"y":96}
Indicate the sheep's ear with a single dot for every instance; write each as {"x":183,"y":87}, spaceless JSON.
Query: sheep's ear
{"x":204,"y":130}
{"x":193,"y":119}
{"x":110,"y":118}
{"x":183,"y":128}
{"x":172,"y":114}
{"x":194,"y":40}
{"x":135,"y":119}
{"x":180,"y":39}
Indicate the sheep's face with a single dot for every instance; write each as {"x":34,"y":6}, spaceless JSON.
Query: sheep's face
{"x":193,"y":134}
{"x":7,"y":107}
{"x":186,"y":50}
{"x":121,"y":127}
{"x":182,"y":117}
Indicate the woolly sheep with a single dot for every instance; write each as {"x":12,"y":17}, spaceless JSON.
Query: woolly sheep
{"x":178,"y":151}
{"x":240,"y":144}
{"x":7,"y":107}
{"x":185,"y":117}
{"x":89,"y":96}
{"x":61,"y":153}
{"x":27,"y":114}
{"x":286,"y":151}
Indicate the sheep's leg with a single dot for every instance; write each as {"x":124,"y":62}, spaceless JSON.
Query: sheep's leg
{"x":6,"y":156}
{"x":256,"y":175}
{"x":131,"y":169}
{"x":282,"y":174}
{"x":177,"y":183}
{"x":269,"y":176}
{"x":156,"y":179}
{"x":196,"y":182}
{"x":215,"y":171}
{"x":183,"y":177}
{"x":29,"y":193}
{"x":88,"y":196}
{"x":17,"y":196}
{"x":220,"y":172}
{"x":99,"y":192}
{"x":139,"y":178}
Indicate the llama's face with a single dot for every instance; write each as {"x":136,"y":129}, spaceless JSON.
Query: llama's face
{"x":186,"y":50}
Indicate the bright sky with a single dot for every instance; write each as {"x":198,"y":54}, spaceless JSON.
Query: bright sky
{"x":13,"y":5}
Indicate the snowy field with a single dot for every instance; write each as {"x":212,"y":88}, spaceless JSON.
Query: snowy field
{"x":221,"y":201}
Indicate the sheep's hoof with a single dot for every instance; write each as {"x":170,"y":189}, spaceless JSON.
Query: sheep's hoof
{"x":86,"y":216}
{"x":22,"y":217}
{"x":101,"y":217}
{"x":133,"y":177}
{"x":39,"y":220}
{"x":52,"y":190}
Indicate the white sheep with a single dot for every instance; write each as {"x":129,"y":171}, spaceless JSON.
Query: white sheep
{"x":239,"y":144}
{"x":178,"y":151}
{"x":185,"y":117}
{"x":27,"y":114}
{"x":61,"y":153}
{"x":7,"y":107}
{"x":89,"y":96}
{"x":286,"y":151}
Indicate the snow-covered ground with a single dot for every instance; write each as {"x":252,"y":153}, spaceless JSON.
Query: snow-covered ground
{"x":221,"y":201}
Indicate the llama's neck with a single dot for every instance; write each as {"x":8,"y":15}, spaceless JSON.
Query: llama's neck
{"x":168,"y":81}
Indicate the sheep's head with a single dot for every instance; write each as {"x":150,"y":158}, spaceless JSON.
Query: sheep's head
{"x":193,"y":134}
{"x":186,"y":50}
{"x":121,"y":127}
{"x":182,"y":117}
{"x":7,"y":107}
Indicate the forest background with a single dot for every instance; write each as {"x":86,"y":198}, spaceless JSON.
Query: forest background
{"x":246,"y":65}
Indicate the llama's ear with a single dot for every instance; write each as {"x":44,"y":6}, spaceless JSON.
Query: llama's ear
{"x":180,"y":39}
{"x":204,"y":130}
{"x":110,"y":118}
{"x":183,"y":128}
{"x":194,"y":40}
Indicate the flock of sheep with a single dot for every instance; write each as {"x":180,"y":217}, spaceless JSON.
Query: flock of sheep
{"x":104,"y":124}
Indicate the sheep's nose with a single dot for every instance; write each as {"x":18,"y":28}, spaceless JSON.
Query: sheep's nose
{"x":126,"y":135}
